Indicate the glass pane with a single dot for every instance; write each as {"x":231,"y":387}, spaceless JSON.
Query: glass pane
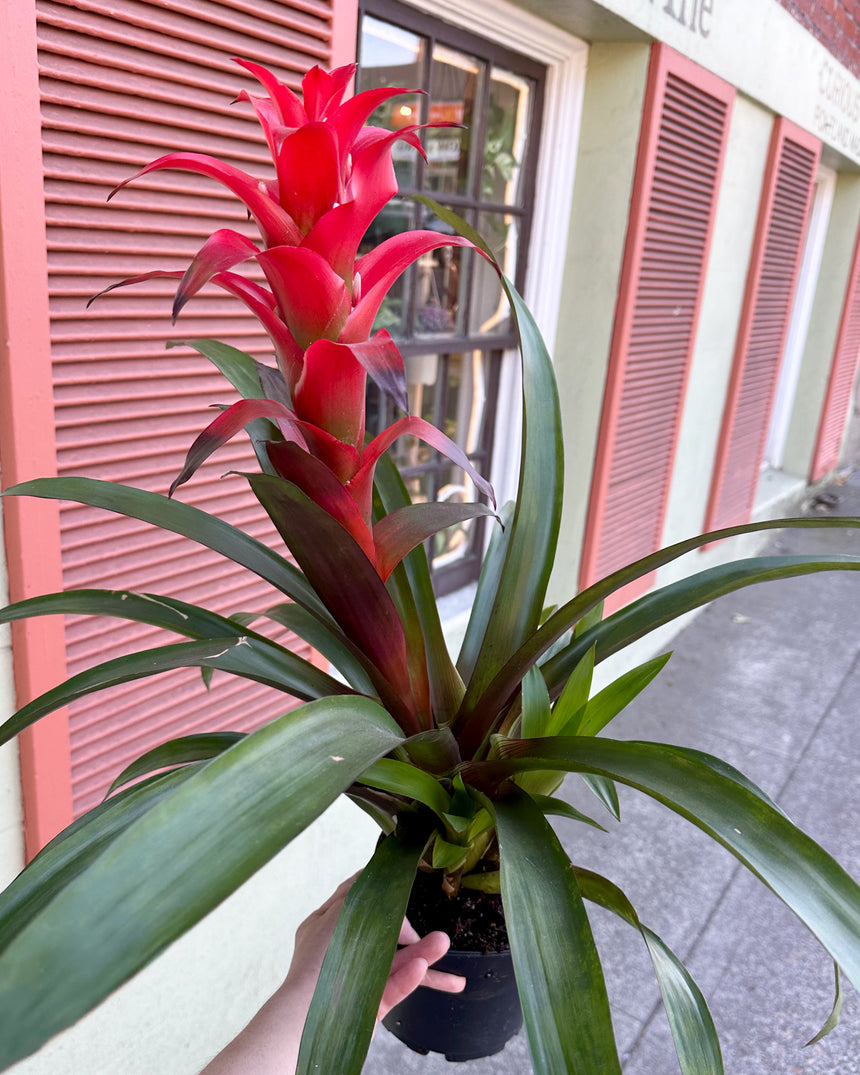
{"x":455,"y":87}
{"x":438,"y":277}
{"x":507,"y":138}
{"x":456,"y":542}
{"x":419,"y":486}
{"x":489,"y":311}
{"x":393,"y":57}
{"x":466,"y":402}
{"x":422,"y":372}
{"x":396,"y":217}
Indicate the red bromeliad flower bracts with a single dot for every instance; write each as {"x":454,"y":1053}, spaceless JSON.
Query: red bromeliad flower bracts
{"x":334,"y":175}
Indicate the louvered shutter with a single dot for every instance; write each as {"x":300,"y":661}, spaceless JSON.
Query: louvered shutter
{"x":837,"y":399}
{"x":774,"y":264}
{"x":681,"y":151}
{"x":123,"y":83}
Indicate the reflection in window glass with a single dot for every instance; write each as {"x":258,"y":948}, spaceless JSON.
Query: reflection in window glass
{"x":507,"y":137}
{"x":391,"y":56}
{"x":454,"y":89}
{"x":448,"y":312}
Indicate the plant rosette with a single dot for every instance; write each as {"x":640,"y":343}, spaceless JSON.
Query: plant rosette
{"x":459,"y":761}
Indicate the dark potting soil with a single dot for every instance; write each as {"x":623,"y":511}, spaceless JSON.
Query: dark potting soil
{"x":473,"y":920}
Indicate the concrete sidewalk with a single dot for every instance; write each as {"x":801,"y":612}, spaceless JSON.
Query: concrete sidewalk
{"x":769,"y":679}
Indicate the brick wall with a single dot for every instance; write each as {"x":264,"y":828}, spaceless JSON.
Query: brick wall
{"x":836,"y":23}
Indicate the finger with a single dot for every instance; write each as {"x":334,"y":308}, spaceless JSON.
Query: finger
{"x":401,"y":983}
{"x":444,"y":982}
{"x":408,"y":934}
{"x":429,"y":948}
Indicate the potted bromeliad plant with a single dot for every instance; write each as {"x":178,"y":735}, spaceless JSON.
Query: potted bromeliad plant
{"x":458,"y":761}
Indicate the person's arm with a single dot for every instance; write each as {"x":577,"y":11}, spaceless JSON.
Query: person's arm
{"x":269,"y":1044}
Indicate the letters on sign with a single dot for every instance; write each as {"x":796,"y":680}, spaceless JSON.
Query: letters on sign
{"x":696,"y":15}
{"x":837,"y":110}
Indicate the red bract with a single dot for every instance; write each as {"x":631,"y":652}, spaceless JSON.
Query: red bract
{"x":334,"y":175}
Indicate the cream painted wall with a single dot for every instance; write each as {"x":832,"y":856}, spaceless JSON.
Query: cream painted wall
{"x":823,"y":324}
{"x":609,"y":137}
{"x":725,"y":282}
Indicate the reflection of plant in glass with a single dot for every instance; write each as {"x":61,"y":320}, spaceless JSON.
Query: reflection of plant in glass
{"x":499,"y":160}
{"x":459,"y":762}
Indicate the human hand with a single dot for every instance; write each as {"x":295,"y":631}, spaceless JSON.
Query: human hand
{"x":269,"y":1044}
{"x":410,"y":967}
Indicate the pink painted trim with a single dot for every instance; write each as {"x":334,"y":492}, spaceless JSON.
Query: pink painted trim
{"x":27,"y":429}
{"x":664,"y":61}
{"x":782,"y":129}
{"x":344,"y":35}
{"x":823,"y":463}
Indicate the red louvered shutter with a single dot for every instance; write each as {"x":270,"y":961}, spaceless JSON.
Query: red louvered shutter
{"x":123,"y":83}
{"x":681,"y":151}
{"x":774,"y":265}
{"x":840,"y":384}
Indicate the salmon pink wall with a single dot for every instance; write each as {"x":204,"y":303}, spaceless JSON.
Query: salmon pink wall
{"x":27,"y":426}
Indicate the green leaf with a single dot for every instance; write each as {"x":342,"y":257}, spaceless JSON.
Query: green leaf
{"x":559,"y":808}
{"x":401,"y":778}
{"x":536,"y":706}
{"x":531,"y":546}
{"x":461,"y":226}
{"x":574,"y":698}
{"x":240,"y":369}
{"x":589,"y":620}
{"x":608,"y":703}
{"x":560,"y":980}
{"x":693,"y":1031}
{"x":165,"y":612}
{"x":654,"y":609}
{"x":249,"y":657}
{"x":448,"y":856}
{"x":343,"y":1011}
{"x":179,"y":518}
{"x":446,"y":687}
{"x":800,"y":872}
{"x":68,"y":854}
{"x":334,"y":646}
{"x":604,"y":790}
{"x":835,"y":1015}
{"x":434,"y":750}
{"x":176,"y":752}
{"x":485,"y":595}
{"x":178,"y":861}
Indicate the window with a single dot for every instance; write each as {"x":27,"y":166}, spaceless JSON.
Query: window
{"x":448,"y":312}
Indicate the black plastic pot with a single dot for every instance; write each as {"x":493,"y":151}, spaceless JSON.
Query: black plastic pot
{"x":464,"y":1026}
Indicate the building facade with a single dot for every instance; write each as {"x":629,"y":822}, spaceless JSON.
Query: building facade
{"x":675,"y":184}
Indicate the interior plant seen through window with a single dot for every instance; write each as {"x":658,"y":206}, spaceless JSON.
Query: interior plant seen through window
{"x":448,"y":312}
